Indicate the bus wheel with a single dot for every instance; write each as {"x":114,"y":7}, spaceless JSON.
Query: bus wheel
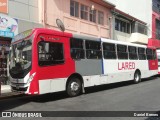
{"x":137,"y":77}
{"x":74,"y":87}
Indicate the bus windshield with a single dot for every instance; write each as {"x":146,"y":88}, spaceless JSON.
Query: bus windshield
{"x":20,"y":58}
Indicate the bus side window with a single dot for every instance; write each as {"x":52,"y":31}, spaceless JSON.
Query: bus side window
{"x":93,"y":49}
{"x":41,"y":51}
{"x":122,"y":51}
{"x":50,"y":53}
{"x":109,"y":51}
{"x":154,"y":55}
{"x":132,"y":53}
{"x":141,"y":53}
{"x":149,"y":53}
{"x":77,"y":49}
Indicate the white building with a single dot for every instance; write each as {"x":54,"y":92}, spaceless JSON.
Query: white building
{"x":147,"y":11}
{"x":26,"y":12}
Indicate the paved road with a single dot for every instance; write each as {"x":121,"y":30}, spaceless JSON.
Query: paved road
{"x":125,"y":96}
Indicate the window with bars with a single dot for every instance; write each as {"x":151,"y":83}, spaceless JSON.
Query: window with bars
{"x":74,"y":8}
{"x":92,"y":15}
{"x":100,"y":17}
{"x":122,"y":26}
{"x":157,"y":29}
{"x":156,"y":6}
{"x":84,"y":12}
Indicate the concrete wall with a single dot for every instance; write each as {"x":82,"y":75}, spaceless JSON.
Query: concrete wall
{"x":121,"y":36}
{"x":26,"y":25}
{"x":24,"y":9}
{"x":61,"y":9}
{"x":27,"y":13}
{"x":140,"y":9}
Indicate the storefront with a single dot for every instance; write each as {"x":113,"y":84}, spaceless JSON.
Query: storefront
{"x":8,"y":29}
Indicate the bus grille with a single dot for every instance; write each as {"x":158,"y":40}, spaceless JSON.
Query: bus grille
{"x":19,"y":89}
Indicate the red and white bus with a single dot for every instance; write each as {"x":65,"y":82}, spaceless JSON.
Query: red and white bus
{"x":45,"y":61}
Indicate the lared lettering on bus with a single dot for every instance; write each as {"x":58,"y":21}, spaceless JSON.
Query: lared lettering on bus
{"x":126,"y":66}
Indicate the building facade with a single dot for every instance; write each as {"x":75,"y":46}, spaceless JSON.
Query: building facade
{"x":98,"y":18}
{"x":155,"y":39}
{"x":95,"y":18}
{"x":26,"y":12}
{"x":128,"y":28}
{"x":87,"y":17}
{"x":149,"y":13}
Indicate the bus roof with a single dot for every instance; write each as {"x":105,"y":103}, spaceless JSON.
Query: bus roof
{"x":84,"y":37}
{"x":122,"y":42}
{"x":51,"y":31}
{"x":28,"y":33}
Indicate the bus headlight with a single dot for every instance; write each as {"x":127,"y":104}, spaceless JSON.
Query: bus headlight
{"x":31,"y":78}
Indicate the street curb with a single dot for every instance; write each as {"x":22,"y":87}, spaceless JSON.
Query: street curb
{"x":8,"y":95}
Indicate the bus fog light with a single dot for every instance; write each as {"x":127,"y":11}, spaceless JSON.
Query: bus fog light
{"x":31,"y":78}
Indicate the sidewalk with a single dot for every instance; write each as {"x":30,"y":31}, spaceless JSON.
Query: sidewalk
{"x":5,"y":89}
{"x":6,"y":92}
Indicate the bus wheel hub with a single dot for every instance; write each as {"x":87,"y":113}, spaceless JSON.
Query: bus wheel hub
{"x":74,"y":86}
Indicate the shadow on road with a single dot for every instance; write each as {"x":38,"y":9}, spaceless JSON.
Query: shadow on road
{"x":116,"y":85}
{"x":8,"y":104}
